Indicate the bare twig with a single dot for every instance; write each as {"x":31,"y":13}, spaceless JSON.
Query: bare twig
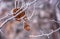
{"x":45,"y":34}
{"x":49,"y":33}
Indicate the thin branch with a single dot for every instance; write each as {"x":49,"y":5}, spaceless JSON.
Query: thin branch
{"x":15,"y":3}
{"x":2,"y":18}
{"x":45,"y":34}
{"x":32,"y":14}
{"x":49,"y":33}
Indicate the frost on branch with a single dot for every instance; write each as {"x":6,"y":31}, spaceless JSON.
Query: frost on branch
{"x":29,"y":19}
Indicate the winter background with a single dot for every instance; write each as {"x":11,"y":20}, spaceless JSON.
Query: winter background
{"x":44,"y":19}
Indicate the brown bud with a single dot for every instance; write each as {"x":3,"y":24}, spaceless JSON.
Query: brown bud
{"x":18,"y":16}
{"x":26,"y":26}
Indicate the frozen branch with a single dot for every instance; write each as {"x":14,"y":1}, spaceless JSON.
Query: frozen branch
{"x":17,"y":14}
{"x":32,"y":13}
{"x":2,"y":18}
{"x":47,"y":34}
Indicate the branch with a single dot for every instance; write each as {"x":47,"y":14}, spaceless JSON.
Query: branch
{"x":47,"y":34}
{"x":17,"y":14}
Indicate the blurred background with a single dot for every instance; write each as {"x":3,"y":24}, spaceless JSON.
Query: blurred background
{"x":45,"y":19}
